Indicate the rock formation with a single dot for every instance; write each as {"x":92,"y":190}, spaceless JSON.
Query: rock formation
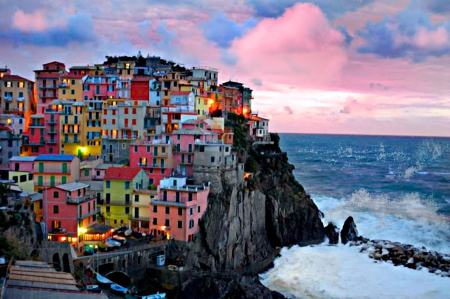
{"x":332,"y":233}
{"x":349,"y":231}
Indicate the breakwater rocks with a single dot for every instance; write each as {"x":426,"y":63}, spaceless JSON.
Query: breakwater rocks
{"x":405,"y":255}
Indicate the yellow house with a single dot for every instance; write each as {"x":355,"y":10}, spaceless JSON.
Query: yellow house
{"x":92,"y":129}
{"x":140,"y":209}
{"x":119,"y":184}
{"x":202,"y":106}
{"x":71,"y":87}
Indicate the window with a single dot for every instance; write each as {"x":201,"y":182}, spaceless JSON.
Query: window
{"x":155,"y":221}
{"x":136,"y":198}
{"x":113,"y":121}
{"x":191,"y":223}
{"x":180,"y":211}
{"x":55,"y":209}
{"x":108,"y":184}
{"x":191,"y":211}
{"x":108,"y":209}
{"x":127,"y":210}
{"x":40,"y":181}
{"x":63,"y":91}
{"x":167,"y":210}
{"x":56,"y":194}
{"x":133,"y":122}
{"x":63,"y":180}
{"x":213,"y":159}
{"x":180,"y":224}
{"x":167,"y":222}
{"x":134,"y":110}
{"x":86,"y":172}
{"x":189,"y":196}
{"x":72,"y":91}
{"x":124,"y":146}
{"x":155,"y":209}
{"x":198,"y":209}
{"x":126,"y":111}
{"x":23,"y":178}
{"x":127,"y":185}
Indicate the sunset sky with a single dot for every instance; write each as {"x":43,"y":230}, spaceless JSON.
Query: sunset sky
{"x":323,"y":66}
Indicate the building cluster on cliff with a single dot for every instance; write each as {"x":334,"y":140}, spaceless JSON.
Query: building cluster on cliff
{"x":117,"y":144}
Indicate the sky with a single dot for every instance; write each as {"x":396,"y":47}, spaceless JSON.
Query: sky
{"x":322,"y":66}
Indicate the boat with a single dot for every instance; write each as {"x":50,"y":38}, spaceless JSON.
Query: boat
{"x":103,"y":280}
{"x":121,"y":240}
{"x":95,"y":288}
{"x":118,"y":289}
{"x":128,"y":232}
{"x":155,"y":296}
{"x":111,"y":243}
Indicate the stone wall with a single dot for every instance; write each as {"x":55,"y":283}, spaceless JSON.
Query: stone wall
{"x":119,"y":154}
{"x":55,"y":252}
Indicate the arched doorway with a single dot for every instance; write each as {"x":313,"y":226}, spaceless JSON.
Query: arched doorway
{"x":66,"y":263}
{"x":56,"y":262}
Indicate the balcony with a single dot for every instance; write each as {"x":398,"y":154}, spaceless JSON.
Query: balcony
{"x":142,"y":164}
{"x":183,"y":151}
{"x":52,"y":141}
{"x":124,"y":203}
{"x":86,"y":215}
{"x":80,"y":199}
{"x":71,"y":141}
{"x":186,"y":162}
{"x":36,"y":125}
{"x":170,"y":203}
{"x":63,"y":85}
{"x":139,"y":218}
{"x":8,"y":98}
{"x":71,"y":132}
{"x":52,"y":121}
{"x":20,"y":99}
{"x":52,"y":132}
{"x":50,"y":110}
{"x":58,"y":230}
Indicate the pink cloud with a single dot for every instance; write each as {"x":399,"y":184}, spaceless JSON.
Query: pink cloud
{"x":300,"y":47}
{"x":33,"y":22}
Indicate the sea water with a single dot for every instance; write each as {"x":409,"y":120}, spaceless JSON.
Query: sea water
{"x":396,"y":188}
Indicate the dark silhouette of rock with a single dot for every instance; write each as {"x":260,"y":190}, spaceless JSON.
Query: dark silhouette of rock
{"x":332,"y":233}
{"x":349,"y":232}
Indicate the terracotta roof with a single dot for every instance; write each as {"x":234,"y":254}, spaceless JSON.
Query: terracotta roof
{"x":53,"y":62}
{"x":180,"y":93}
{"x":254,"y":117}
{"x":51,"y":75}
{"x":121,"y":173}
{"x":14,"y":78}
{"x":73,"y":76}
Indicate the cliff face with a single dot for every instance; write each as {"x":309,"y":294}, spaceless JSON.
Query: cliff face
{"x":245,"y":222}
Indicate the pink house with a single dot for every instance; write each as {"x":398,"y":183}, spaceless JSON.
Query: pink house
{"x":177,"y":210}
{"x":68,"y":211}
{"x":19,"y":163}
{"x":154,"y":156}
{"x":99,"y":87}
{"x":184,"y":139}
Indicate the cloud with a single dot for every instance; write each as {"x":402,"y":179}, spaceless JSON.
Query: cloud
{"x":408,"y":34}
{"x":353,"y":105}
{"x":257,"y":81}
{"x":378,"y":86}
{"x":33,"y":22}
{"x":436,"y":6}
{"x":334,"y":8}
{"x":78,"y":29}
{"x":288,"y":110}
{"x":222,"y":31}
{"x":300,"y":47}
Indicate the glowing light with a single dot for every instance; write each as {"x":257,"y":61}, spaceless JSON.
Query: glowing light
{"x":9,"y":121}
{"x":245,"y":110}
{"x":83,"y":230}
{"x":163,"y":227}
{"x":63,"y":239}
{"x":83,"y":149}
{"x":74,"y":239}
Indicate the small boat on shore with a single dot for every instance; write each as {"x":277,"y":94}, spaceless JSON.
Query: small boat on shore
{"x":103,"y":280}
{"x":93,"y":288}
{"x":118,"y":289}
{"x":155,"y":296}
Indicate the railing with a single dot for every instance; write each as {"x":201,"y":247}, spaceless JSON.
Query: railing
{"x":181,"y":150}
{"x":52,"y":141}
{"x":117,"y":203}
{"x":57,"y":230}
{"x":51,"y":132}
{"x":93,"y":212}
{"x":52,"y":121}
{"x":142,"y":164}
{"x":36,"y":125}
{"x":80,"y":199}
{"x":8,"y":98}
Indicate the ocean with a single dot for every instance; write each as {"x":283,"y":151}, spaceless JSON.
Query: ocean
{"x":396,"y":188}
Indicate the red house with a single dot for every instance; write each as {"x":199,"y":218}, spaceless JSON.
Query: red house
{"x":140,"y":88}
{"x":69,"y":210}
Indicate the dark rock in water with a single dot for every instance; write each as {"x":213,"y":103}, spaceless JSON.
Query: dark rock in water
{"x":321,"y":214}
{"x":332,"y":233}
{"x":349,"y":231}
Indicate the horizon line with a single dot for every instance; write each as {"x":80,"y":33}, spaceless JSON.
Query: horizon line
{"x":369,"y":135}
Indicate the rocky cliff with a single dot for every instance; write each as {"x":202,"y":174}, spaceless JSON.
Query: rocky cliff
{"x":245,"y":222}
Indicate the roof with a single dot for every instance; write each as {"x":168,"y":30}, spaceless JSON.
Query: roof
{"x":2,"y":127}
{"x":73,"y":76}
{"x":53,"y":62}
{"x":195,"y":131}
{"x":35,"y":196}
{"x":179,"y":93}
{"x":14,"y":78}
{"x":94,"y":185}
{"x":256,"y":117}
{"x":22,"y":159}
{"x":105,"y":166}
{"x":56,"y":158}
{"x":55,"y":74}
{"x":98,"y":228}
{"x":121,"y":173}
{"x":26,"y":277}
{"x":193,"y":121}
{"x":72,"y":186}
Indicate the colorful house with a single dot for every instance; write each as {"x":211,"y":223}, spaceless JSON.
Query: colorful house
{"x":10,"y":144}
{"x":47,"y":84}
{"x":258,"y":128}
{"x":71,"y":87}
{"x":51,"y":170}
{"x":140,"y":88}
{"x":123,"y":123}
{"x":33,"y":140}
{"x":69,"y":211}
{"x":99,"y":87}
{"x":154,"y":156}
{"x":178,"y":209}
{"x":192,"y":132}
{"x":21,"y":171}
{"x":17,"y":96}
{"x":140,"y":209}
{"x":119,"y":184}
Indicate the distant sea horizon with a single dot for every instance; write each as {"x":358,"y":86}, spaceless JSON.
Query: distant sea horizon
{"x":367,"y":135}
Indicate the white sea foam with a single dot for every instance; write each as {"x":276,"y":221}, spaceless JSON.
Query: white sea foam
{"x":407,"y":219}
{"x":342,"y":272}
